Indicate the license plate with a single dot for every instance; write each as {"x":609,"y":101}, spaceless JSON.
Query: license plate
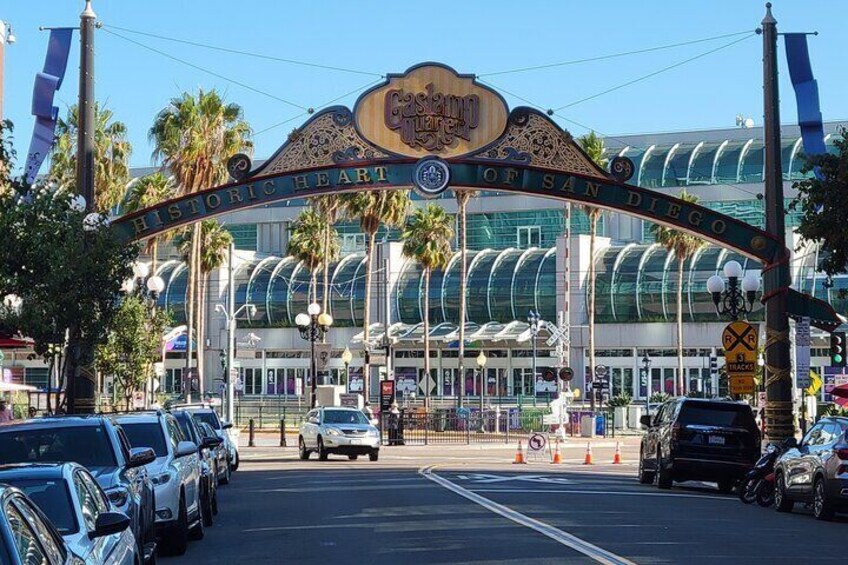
{"x":356,"y":442}
{"x":715,"y":440}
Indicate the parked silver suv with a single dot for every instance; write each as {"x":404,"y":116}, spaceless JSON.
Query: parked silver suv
{"x":341,"y":430}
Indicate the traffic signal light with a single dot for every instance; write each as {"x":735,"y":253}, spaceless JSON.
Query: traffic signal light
{"x":837,"y":349}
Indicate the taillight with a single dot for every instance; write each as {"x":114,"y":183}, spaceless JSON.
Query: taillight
{"x":676,"y":430}
{"x":842,"y":453}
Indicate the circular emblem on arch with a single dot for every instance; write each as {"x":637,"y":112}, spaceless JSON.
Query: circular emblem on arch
{"x":431,"y":177}
{"x":622,"y":168}
{"x":238,"y":166}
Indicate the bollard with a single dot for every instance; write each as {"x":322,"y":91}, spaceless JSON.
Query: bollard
{"x":283,"y":433}
{"x":250,"y":442}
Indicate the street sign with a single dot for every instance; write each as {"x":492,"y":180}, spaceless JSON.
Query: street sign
{"x":387,"y":395}
{"x":739,"y":340}
{"x":463,"y":412}
{"x":743,"y":384}
{"x":234,"y":374}
{"x":537,"y":442}
{"x":600,"y":385}
{"x":323,"y":353}
{"x":802,"y":353}
{"x":377,"y":359}
{"x":601,"y":370}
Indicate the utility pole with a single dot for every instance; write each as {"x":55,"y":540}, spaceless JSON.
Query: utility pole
{"x":6,"y":36}
{"x":776,"y":277}
{"x":231,"y":335}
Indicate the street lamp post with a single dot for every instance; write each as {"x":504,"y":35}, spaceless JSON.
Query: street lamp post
{"x":147,"y":288}
{"x":347,"y":357}
{"x":533,"y":319}
{"x":313,"y":326}
{"x":731,"y":301}
{"x":481,"y":366}
{"x":231,"y":315}
{"x":646,"y":367}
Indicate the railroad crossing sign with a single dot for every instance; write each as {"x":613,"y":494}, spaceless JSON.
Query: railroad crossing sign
{"x":740,"y":340}
{"x":601,"y":370}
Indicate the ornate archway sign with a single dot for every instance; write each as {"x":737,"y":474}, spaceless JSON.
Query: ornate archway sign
{"x":431,"y":128}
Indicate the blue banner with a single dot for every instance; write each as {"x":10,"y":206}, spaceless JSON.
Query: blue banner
{"x":806,"y":94}
{"x":47,"y":83}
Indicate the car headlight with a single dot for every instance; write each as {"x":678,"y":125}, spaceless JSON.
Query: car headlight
{"x":333,"y":432}
{"x":160,"y":479}
{"x":372,"y":432}
{"x":118,"y":496}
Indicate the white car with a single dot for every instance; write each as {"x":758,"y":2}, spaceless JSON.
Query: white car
{"x":341,"y":430}
{"x":175,"y":475}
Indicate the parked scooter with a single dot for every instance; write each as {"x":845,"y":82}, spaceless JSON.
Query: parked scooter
{"x":758,"y":484}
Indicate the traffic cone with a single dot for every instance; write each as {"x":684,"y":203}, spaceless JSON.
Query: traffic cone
{"x":616,"y":460}
{"x":588,"y":459}
{"x":557,"y":457}
{"x":519,"y":455}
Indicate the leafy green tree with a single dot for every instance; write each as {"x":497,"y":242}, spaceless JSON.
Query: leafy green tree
{"x":308,"y":241}
{"x":823,"y":204}
{"x":683,"y":245}
{"x":330,"y":207}
{"x":147,"y":191}
{"x":427,"y":239}
{"x":375,"y":208}
{"x":112,"y":152}
{"x":194,"y":136}
{"x":131,"y":346}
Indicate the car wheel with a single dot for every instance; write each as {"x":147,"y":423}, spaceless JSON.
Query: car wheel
{"x":645,"y":477}
{"x":234,"y":467}
{"x":374,"y":455}
{"x":822,"y":507}
{"x":206,"y":507}
{"x":353,"y":457}
{"x":322,"y":452}
{"x":196,"y":533}
{"x":725,"y":486}
{"x":225,"y":480}
{"x":177,"y":539}
{"x":215,"y":503}
{"x":663,"y":474}
{"x":782,"y":503}
{"x":302,"y":452}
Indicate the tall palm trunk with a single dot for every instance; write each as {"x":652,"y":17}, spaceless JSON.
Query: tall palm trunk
{"x":681,"y":380}
{"x":366,"y":369}
{"x":314,"y":283}
{"x":593,"y":230}
{"x":426,"y":339}
{"x":190,"y":302}
{"x":201,"y":329}
{"x":463,"y":253}
{"x":154,"y":255}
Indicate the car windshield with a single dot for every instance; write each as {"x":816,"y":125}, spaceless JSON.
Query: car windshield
{"x":53,"y":498}
{"x":717,"y":415}
{"x":183,"y":421}
{"x":344,"y":417}
{"x":87,"y":445}
{"x":210,"y":418}
{"x":146,"y":434}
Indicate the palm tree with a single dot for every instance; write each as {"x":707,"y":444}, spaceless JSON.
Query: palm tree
{"x":193,"y":138}
{"x":330,"y":208}
{"x":310,"y":243}
{"x":683,"y":245}
{"x":462,"y":198}
{"x":111,"y":156}
{"x":427,"y":239}
{"x":373,"y":208}
{"x":593,"y":145}
{"x":214,"y":243}
{"x":147,"y":191}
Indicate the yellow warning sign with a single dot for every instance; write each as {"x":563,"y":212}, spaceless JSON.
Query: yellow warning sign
{"x":740,"y":340}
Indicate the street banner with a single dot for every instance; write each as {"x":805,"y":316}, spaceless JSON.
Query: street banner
{"x":387,"y":395}
{"x":323,"y":353}
{"x":802,"y":353}
{"x":740,"y":340}
{"x":806,"y":94}
{"x":47,"y":83}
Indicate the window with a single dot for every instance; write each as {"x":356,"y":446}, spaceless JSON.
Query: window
{"x":53,"y":499}
{"x":252,"y":380}
{"x":88,"y":505}
{"x":174,"y":433}
{"x":172,"y":384}
{"x":528,"y":236}
{"x":97,"y":494}
{"x":353,"y":242}
{"x":37,"y":377}
{"x":147,"y":435}
{"x":22,"y":519}
{"x":87,"y":445}
{"x":244,"y":236}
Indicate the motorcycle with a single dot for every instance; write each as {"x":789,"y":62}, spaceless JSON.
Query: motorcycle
{"x":758,"y":484}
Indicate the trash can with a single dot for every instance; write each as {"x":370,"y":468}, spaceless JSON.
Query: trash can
{"x":600,"y":424}
{"x":634,"y":414}
{"x":587,"y":426}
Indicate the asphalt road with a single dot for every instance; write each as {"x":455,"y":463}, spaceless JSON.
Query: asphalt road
{"x":405,"y":509}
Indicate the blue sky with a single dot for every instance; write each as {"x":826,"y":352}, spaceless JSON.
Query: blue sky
{"x":472,"y":36}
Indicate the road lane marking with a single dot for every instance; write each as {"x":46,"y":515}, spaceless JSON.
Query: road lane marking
{"x":618,"y":493}
{"x":571,"y":541}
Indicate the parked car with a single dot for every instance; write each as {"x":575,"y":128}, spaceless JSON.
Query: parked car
{"x":175,"y":474}
{"x":26,"y":534}
{"x":220,"y":452}
{"x":815,"y":471}
{"x":206,"y":413}
{"x":96,"y":443}
{"x":341,"y":430}
{"x":696,"y":439}
{"x":78,"y":508}
{"x":208,"y":463}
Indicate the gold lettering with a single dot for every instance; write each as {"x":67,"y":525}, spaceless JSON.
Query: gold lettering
{"x":300,"y":182}
{"x":592,"y":189}
{"x":213,"y":201}
{"x":718,"y":227}
{"x":343,"y":178}
{"x":140,"y":225}
{"x":235,"y":195}
{"x":634,"y":199}
{"x":511,"y":175}
{"x":174,"y":212}
{"x":673,"y":211}
{"x":362,"y":176}
{"x":322,"y":179}
{"x":158,"y":217}
{"x":548,"y":182}
{"x":381,"y":174}
{"x":193,"y":205}
{"x":695,"y":218}
{"x":250,"y":194}
{"x":568,"y":185}
{"x":268,"y":187}
{"x":653,"y":206}
{"x":490,"y":175}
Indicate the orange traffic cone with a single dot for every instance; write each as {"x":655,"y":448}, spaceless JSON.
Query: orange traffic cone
{"x":616,"y":460}
{"x":557,"y":457}
{"x":588,"y":459}
{"x":519,"y":455}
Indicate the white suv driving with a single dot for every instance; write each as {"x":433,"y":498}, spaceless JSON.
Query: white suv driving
{"x":175,"y":475}
{"x":341,"y":430}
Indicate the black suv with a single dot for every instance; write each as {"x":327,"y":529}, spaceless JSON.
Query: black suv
{"x":96,"y":443}
{"x":691,"y":439}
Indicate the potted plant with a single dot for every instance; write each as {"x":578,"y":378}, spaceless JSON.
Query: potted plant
{"x":619,"y":404}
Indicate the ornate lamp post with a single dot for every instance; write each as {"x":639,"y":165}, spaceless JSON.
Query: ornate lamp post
{"x":481,"y":366}
{"x":313,"y":326}
{"x":731,"y":301}
{"x":147,"y":288}
{"x":533,"y":319}
{"x":347,"y":357}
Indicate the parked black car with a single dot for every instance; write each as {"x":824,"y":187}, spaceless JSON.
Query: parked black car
{"x":702,"y":440}
{"x":96,"y":443}
{"x":815,"y":471}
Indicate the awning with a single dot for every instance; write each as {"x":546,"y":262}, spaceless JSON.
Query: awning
{"x":12,"y":387}
{"x":15,"y":343}
{"x":447,"y":333}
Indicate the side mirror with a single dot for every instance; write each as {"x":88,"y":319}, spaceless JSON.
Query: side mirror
{"x":210,"y":442}
{"x":227,"y":425}
{"x":186,"y":448}
{"x":109,"y":523}
{"x":790,"y":443}
{"x":140,"y":456}
{"x":645,"y":420}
